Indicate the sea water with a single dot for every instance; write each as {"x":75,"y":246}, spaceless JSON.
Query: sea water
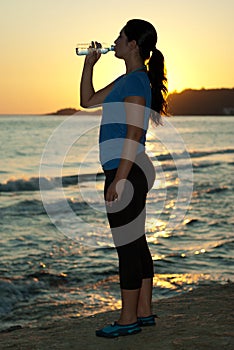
{"x":51,"y":268}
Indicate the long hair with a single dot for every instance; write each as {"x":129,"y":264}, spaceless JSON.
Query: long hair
{"x":146,"y":38}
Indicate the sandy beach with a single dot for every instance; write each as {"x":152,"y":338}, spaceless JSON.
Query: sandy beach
{"x":200,"y":319}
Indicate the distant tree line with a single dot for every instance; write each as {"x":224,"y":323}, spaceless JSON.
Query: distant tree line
{"x":202,"y":102}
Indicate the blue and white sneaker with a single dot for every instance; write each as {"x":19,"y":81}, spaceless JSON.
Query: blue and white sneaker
{"x":116,"y":330}
{"x":147,"y":321}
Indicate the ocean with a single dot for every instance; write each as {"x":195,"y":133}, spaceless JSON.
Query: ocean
{"x":57,"y":259}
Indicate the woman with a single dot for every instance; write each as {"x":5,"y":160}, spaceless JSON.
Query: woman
{"x":129,"y":172}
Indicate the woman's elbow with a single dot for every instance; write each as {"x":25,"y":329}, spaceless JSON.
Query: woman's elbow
{"x":83,"y":104}
{"x":136,"y":136}
{"x":86,"y":103}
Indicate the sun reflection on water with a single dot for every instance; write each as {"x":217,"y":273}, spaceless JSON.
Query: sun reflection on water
{"x":170,"y":204}
{"x":156,"y":229}
{"x":179,"y":281}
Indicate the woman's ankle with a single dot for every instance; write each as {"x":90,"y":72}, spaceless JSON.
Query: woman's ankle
{"x":126,"y":320}
{"x":144,"y":311}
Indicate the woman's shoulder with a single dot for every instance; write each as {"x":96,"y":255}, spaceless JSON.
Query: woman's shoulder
{"x":137,"y":77}
{"x":133,"y":77}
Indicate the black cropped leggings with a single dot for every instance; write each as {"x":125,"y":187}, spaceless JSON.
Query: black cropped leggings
{"x":127,"y":223}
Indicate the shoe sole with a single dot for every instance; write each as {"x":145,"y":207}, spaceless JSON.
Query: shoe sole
{"x":115,"y":335}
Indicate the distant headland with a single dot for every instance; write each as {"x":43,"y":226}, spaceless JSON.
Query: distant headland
{"x":188,"y":102}
{"x":71,"y":111}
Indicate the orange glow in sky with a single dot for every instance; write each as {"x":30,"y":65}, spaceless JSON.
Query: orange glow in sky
{"x":40,"y":71}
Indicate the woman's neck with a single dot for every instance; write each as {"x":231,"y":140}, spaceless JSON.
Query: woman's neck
{"x":133,"y":66}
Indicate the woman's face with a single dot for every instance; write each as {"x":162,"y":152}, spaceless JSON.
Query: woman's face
{"x":121,"y":45}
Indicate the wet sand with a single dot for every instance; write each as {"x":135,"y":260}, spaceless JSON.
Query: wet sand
{"x":202,"y":319}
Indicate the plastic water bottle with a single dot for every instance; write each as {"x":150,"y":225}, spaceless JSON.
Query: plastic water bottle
{"x":84,"y":49}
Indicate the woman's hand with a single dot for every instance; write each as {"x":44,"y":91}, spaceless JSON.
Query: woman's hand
{"x":92,"y":58}
{"x":114,"y":191}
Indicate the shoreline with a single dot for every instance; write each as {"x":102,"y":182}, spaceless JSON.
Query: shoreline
{"x":200,"y":319}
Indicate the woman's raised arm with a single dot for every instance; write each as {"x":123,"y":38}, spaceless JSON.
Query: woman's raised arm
{"x":88,"y":96}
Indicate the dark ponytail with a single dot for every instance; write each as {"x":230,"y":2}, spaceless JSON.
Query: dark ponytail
{"x":146,"y":37}
{"x":158,"y":80}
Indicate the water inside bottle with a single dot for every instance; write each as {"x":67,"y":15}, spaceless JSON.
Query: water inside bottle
{"x":85,"y":49}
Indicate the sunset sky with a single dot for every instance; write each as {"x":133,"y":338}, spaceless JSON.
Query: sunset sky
{"x":40,"y":72}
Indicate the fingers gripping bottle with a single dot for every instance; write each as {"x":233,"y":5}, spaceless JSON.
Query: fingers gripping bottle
{"x":85,"y":49}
